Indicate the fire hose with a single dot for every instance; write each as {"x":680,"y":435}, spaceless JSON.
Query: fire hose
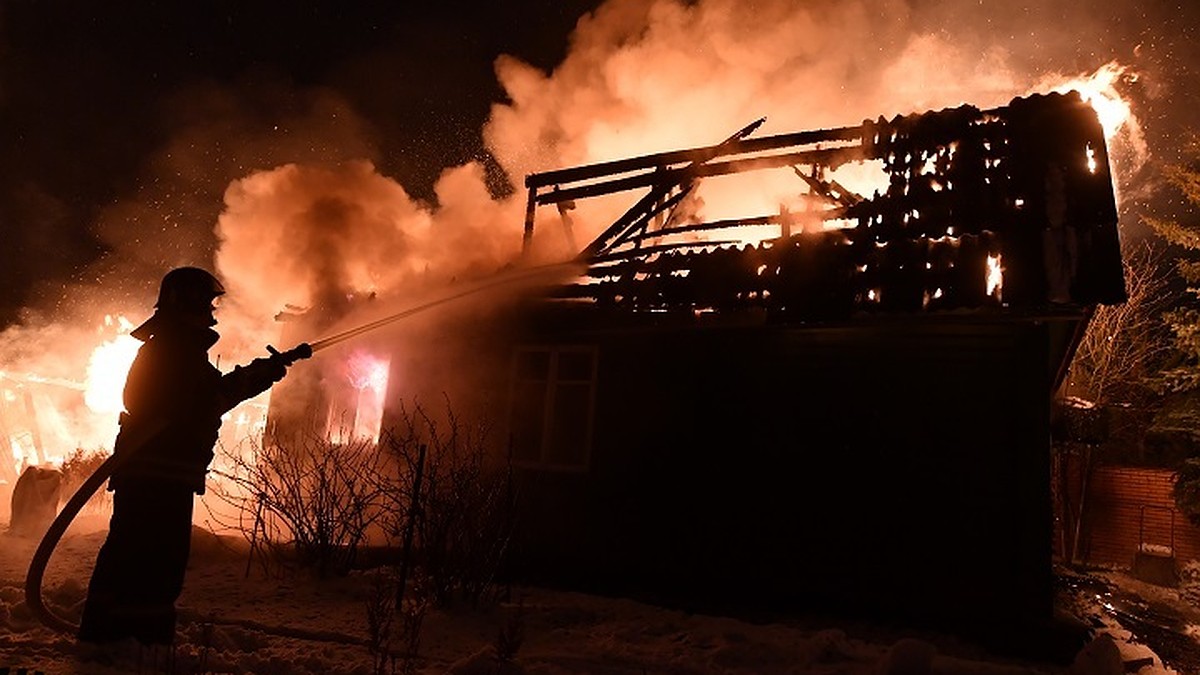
{"x":41,"y":557}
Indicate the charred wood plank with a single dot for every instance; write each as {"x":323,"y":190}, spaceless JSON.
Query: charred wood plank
{"x":679,"y":175}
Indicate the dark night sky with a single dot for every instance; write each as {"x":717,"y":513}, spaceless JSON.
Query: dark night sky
{"x":85,"y":86}
{"x":92,"y":93}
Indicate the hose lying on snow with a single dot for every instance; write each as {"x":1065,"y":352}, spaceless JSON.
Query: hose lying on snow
{"x":41,"y":557}
{"x":37,"y":566}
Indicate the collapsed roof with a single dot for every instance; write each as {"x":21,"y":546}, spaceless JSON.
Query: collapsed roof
{"x":1010,"y":209}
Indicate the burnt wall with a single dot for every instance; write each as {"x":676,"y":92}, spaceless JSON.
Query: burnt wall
{"x":889,"y":468}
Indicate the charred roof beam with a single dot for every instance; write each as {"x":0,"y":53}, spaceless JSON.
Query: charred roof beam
{"x":652,"y":203}
{"x":679,"y":175}
{"x":831,"y":190}
{"x":729,"y":146}
{"x":968,"y":201}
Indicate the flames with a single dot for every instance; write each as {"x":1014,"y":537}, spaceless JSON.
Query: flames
{"x":1100,"y":90}
{"x":107,"y":367}
{"x":367,"y":372}
{"x":45,"y":419}
{"x":358,"y":415}
{"x":1127,"y":149}
{"x":995,"y":276}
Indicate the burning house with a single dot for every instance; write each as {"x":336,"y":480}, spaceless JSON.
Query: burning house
{"x":841,"y":401}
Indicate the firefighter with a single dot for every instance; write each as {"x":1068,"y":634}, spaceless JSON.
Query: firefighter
{"x":174,"y":400}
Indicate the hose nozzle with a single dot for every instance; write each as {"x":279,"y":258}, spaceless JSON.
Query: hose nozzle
{"x":300,"y":351}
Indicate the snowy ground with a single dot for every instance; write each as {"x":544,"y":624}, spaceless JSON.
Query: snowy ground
{"x":293,"y":625}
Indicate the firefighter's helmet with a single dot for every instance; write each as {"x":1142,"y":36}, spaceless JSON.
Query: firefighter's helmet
{"x":188,"y":289}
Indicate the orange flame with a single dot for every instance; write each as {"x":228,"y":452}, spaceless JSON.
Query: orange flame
{"x":368,"y":376}
{"x":995,"y":276}
{"x":366,"y":372}
{"x":107,"y":368}
{"x":1100,"y":90}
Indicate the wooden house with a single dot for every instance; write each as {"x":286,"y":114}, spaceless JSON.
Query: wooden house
{"x":847,"y":411}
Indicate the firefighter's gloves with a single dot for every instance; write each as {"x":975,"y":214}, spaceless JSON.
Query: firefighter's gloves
{"x":300,"y":351}
{"x":268,"y":369}
{"x":275,"y":366}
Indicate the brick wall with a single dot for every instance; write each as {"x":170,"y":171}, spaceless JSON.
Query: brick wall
{"x":1130,"y":505}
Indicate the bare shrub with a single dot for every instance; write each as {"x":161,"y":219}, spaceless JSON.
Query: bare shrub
{"x":463,"y":509}
{"x":394,"y":637}
{"x":1112,"y":368}
{"x":1124,"y":344}
{"x":76,"y":469}
{"x":381,"y":614}
{"x":413,"y":608}
{"x":427,"y":488}
{"x":307,"y":495}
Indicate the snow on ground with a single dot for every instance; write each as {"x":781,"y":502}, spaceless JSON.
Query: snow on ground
{"x":260,"y":624}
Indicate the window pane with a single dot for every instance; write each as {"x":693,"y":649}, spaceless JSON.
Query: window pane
{"x":569,"y":428}
{"x":528,"y":415}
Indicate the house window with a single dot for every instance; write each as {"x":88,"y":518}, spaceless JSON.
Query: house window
{"x":553,"y":396}
{"x":356,"y":405}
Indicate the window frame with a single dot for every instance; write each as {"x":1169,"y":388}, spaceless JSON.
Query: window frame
{"x":552,"y":393}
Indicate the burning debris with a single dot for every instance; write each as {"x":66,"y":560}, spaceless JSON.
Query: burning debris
{"x":45,"y":419}
{"x":1011,"y":207}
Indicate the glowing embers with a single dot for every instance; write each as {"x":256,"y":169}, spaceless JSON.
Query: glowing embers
{"x":356,"y":411}
{"x":995,"y":276}
{"x":937,"y":162}
{"x":816,"y":276}
{"x":930,"y":274}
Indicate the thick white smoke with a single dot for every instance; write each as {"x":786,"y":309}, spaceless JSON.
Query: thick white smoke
{"x":644,"y":77}
{"x":311,"y":237}
{"x":648,"y":76}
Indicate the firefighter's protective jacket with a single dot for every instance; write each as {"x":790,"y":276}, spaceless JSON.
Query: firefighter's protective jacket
{"x":174,"y":400}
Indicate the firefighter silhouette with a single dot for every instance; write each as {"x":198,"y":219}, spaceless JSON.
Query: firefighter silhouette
{"x":174,"y":399}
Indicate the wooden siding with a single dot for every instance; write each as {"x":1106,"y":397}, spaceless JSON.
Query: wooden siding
{"x":751,"y":464}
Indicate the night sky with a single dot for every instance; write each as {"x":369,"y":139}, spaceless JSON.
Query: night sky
{"x":97,"y":100}
{"x":89,"y":91}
